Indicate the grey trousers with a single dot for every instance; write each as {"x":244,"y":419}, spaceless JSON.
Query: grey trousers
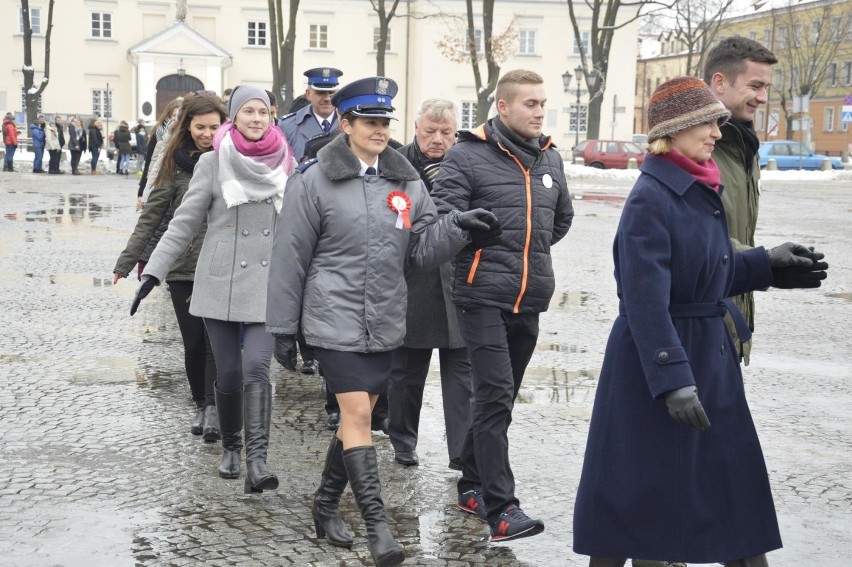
{"x":236,"y":364}
{"x":405,"y":396}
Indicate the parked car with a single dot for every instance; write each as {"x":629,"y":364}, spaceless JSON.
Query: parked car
{"x":608,"y":154}
{"x":793,"y":155}
{"x":641,"y":140}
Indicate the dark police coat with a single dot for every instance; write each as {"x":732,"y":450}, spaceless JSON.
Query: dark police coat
{"x":652,"y":488}
{"x":301,"y":126}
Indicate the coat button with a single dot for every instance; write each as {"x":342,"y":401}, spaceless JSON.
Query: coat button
{"x":269,"y":200}
{"x":717,"y":213}
{"x":663,"y":356}
{"x":245,"y":232}
{"x":265,"y":232}
{"x":725,"y":259}
{"x":243,"y":264}
{"x":264,"y":263}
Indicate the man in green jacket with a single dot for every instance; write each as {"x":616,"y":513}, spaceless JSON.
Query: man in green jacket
{"x":739,"y":72}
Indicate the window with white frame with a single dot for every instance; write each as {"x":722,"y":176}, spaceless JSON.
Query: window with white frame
{"x":256,"y":34}
{"x":468,"y":115}
{"x":752,"y":35}
{"x":318,"y":36}
{"x":767,"y":36}
{"x":828,"y":119}
{"x":526,"y":44}
{"x":797,"y":35}
{"x":831,"y":75}
{"x":102,"y":103}
{"x":781,"y":38}
{"x":847,"y":73}
{"x":816,"y":28}
{"x":101,"y":25}
{"x":24,"y":102}
{"x":578,"y":117}
{"x":478,"y":41}
{"x":35,"y":20}
{"x":581,"y":46}
{"x":377,"y":35}
{"x":835,"y":29}
{"x":841,"y":125}
{"x":759,"y":118}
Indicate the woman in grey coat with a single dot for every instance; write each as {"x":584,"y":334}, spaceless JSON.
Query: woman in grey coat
{"x":238,"y":189}
{"x":352,"y":219}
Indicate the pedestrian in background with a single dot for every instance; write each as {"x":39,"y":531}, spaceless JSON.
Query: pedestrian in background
{"x":160,"y":131}
{"x":10,"y":141}
{"x":318,"y":117}
{"x":238,"y":189}
{"x":509,"y":167}
{"x":431,"y":321}
{"x":95,"y":141}
{"x":202,"y":116}
{"x":342,"y":242}
{"x":38,"y":139}
{"x":141,"y":135}
{"x":54,"y":150}
{"x":673,"y":467}
{"x":76,"y":143}
{"x":122,"y":142}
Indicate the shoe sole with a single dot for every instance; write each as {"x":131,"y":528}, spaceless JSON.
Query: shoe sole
{"x":529,"y":532}
{"x":391,"y":559}
{"x":470,"y":511}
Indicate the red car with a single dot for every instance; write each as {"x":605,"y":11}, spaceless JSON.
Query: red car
{"x":608,"y":154}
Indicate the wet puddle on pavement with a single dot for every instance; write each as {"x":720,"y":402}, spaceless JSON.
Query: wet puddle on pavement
{"x":71,"y":209}
{"x":104,"y":370}
{"x":845,"y":295}
{"x":570,"y":299}
{"x":557,"y":386}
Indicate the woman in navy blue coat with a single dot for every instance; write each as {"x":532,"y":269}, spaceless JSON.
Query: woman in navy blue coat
{"x":659,"y":481}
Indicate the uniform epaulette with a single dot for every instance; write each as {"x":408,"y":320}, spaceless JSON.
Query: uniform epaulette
{"x":286,"y":116}
{"x":305,"y":165}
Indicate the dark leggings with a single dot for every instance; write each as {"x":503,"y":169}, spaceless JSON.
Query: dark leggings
{"x":237,"y":366}
{"x":198,"y":354}
{"x":75,"y":159}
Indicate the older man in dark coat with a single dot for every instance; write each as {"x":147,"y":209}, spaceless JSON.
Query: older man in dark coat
{"x":431,"y":318}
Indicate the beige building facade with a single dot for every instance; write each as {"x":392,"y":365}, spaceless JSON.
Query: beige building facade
{"x":126,"y":58}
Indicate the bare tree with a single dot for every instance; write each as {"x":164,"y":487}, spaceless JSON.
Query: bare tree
{"x":385,"y":16}
{"x":463,"y":47}
{"x":31,"y":92}
{"x":283,"y":50}
{"x":604,"y":21}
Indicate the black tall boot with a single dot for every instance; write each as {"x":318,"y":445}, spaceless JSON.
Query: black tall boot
{"x":327,"y":519}
{"x":363,"y":472}
{"x":197,"y":426}
{"x":211,"y":424}
{"x":230,"y":409}
{"x":756,"y":561}
{"x":258,"y":412}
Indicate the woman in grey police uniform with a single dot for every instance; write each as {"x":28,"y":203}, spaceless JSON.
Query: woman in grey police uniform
{"x":352,"y":220}
{"x":238,"y":189}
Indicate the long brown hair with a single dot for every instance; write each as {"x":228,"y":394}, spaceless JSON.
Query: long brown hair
{"x":193,"y":105}
{"x":167,"y":112}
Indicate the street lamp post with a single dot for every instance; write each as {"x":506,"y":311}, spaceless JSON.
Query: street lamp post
{"x":566,"y":81}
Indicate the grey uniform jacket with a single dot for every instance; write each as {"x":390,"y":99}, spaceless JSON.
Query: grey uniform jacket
{"x":339,"y":260}
{"x":233,"y":266}
{"x":301,"y":126}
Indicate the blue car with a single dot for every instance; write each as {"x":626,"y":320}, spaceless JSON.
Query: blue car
{"x":793,"y":155}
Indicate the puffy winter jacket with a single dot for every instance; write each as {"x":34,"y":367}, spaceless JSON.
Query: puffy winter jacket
{"x":10,"y":132}
{"x":122,"y":140}
{"x":37,"y":135}
{"x":533,"y":206}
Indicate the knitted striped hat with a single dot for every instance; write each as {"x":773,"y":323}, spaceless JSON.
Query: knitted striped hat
{"x":682,"y":103}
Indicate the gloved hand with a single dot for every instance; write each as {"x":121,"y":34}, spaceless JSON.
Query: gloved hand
{"x":790,"y":254}
{"x":483,"y":226}
{"x":148,"y":283}
{"x":792,"y":278}
{"x":685,"y":407}
{"x":285,"y":351}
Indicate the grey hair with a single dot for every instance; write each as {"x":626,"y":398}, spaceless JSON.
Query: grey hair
{"x":438,"y":109}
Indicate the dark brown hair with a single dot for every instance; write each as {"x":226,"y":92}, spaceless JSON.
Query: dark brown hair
{"x":730,"y":55}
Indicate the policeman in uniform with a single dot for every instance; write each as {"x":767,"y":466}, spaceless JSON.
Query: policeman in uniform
{"x":317,"y":118}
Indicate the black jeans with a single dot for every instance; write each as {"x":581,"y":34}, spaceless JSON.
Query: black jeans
{"x":198,"y":355}
{"x":238,"y":365}
{"x":53,"y":160}
{"x":75,"y":159}
{"x":500,"y":345}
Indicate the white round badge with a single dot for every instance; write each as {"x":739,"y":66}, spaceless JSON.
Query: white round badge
{"x":547,"y":180}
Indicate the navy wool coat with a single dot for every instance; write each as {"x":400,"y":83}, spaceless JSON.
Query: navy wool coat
{"x":652,"y":488}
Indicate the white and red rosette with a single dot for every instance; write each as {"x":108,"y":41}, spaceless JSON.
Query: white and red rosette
{"x":401,"y":205}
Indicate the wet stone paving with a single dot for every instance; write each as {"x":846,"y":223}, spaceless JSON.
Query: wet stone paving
{"x":99,"y":467}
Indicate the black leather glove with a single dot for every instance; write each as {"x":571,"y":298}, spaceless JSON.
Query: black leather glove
{"x":685,"y":407}
{"x":794,"y":278}
{"x":285,"y":351}
{"x":483,"y":226}
{"x":486,"y":238}
{"x":791,"y":254}
{"x":148,"y":283}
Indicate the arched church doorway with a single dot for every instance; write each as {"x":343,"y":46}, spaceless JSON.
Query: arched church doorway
{"x":173,"y":86}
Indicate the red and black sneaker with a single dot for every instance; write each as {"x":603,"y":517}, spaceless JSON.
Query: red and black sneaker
{"x":514,"y":524}
{"x":473,"y":503}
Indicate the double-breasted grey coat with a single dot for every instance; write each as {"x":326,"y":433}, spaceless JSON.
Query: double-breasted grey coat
{"x":652,"y":488}
{"x":233,"y":266}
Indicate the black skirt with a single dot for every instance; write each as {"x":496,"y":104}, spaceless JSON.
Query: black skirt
{"x":355,"y":371}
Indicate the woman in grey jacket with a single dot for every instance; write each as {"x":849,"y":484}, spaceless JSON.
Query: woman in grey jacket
{"x":349,"y":226}
{"x":237,"y":189}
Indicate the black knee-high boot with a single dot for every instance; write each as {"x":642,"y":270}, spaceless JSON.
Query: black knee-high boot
{"x":327,"y":519}
{"x":756,"y":561}
{"x":229,"y":406}
{"x":606,"y":562}
{"x":363,"y":472}
{"x":258,"y":411}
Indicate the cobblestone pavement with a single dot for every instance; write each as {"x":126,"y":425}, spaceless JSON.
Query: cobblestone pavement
{"x":99,"y":467}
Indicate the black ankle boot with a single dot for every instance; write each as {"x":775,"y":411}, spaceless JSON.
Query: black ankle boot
{"x":197,"y":426}
{"x":211,"y":425}
{"x":326,"y":515}
{"x":258,"y":410}
{"x":363,"y":472}
{"x":230,"y":409}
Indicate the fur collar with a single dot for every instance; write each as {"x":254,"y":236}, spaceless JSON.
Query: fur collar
{"x":338,"y":163}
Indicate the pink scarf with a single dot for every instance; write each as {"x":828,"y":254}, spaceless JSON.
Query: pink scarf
{"x":706,"y":172}
{"x":272,"y":150}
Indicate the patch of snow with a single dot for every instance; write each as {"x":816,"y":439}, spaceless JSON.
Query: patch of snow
{"x":32,"y":90}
